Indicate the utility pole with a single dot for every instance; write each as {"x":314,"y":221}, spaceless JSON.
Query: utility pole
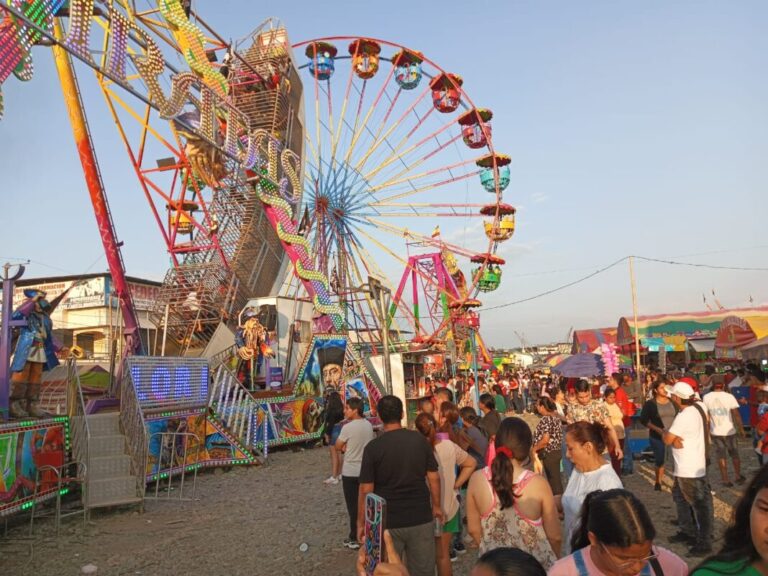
{"x":5,"y":335}
{"x":634,"y":312}
{"x":378,"y":293}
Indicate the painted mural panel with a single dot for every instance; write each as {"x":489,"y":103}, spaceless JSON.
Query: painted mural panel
{"x":286,"y":420}
{"x":205,"y":443}
{"x":22,"y":453}
{"x":324,"y":366}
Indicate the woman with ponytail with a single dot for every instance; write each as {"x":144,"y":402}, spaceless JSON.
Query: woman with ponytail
{"x":585,"y":444}
{"x":509,"y":506}
{"x":614,"y":537}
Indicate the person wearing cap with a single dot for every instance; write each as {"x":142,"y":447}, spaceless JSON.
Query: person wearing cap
{"x":724,"y":420}
{"x":688,"y":437}
{"x":35,"y":353}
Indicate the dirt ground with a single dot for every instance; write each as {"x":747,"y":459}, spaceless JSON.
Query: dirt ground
{"x":253,"y":521}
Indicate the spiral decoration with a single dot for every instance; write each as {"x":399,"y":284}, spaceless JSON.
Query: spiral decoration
{"x":298,"y":250}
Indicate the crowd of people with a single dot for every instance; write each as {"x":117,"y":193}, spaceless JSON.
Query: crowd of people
{"x":545,"y":495}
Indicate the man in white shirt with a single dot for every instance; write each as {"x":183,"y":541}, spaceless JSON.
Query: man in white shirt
{"x":353,"y":438}
{"x":688,"y":437}
{"x":724,"y":419}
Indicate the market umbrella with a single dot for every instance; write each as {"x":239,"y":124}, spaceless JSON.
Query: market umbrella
{"x":580,"y":366}
{"x":555,"y":359}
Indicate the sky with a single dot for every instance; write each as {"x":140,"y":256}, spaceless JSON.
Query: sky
{"x":634,"y":128}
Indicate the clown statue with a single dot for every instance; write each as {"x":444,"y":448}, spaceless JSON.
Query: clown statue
{"x":35,"y":353}
{"x":251,"y":340}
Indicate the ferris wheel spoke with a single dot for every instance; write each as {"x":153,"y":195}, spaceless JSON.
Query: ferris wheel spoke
{"x":371,"y":269}
{"x":434,"y":171}
{"x":355,"y":134}
{"x":413,"y":191}
{"x":395,"y":157}
{"x":378,"y":141}
{"x":337,"y":136}
{"x":421,"y":238}
{"x":330,"y":116}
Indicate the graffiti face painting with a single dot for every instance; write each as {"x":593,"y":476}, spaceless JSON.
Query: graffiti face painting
{"x":324,"y":367}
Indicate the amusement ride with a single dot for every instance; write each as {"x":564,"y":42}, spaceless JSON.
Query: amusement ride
{"x":310,"y":172}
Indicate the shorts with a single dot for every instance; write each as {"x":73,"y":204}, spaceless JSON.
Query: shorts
{"x":335,"y":434}
{"x":725,"y":444}
{"x":32,"y":373}
{"x":452,"y":526}
{"x":659,"y":450}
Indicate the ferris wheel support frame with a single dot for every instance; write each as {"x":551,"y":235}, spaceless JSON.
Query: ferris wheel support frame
{"x":95,"y":184}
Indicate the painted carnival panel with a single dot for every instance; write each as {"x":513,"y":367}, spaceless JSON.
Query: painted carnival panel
{"x":205,"y":444}
{"x":22,"y":454}
{"x":323,"y":367}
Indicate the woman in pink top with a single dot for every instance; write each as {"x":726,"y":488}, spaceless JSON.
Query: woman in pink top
{"x":509,"y":506}
{"x":615,"y":538}
{"x":448,"y":456}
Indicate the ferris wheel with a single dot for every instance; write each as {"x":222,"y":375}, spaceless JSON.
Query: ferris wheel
{"x":400,"y":173}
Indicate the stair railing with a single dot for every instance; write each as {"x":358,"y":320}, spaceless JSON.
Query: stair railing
{"x":234,"y":406}
{"x":132,"y":422}
{"x":222,"y":357}
{"x":79,"y":430}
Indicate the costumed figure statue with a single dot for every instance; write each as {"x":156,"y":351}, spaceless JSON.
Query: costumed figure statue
{"x":251,"y":339}
{"x":35,"y":353}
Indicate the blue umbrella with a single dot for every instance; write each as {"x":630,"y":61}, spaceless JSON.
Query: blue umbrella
{"x":580,"y":366}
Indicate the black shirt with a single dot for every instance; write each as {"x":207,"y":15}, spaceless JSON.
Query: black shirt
{"x":396,"y":463}
{"x":490,"y":423}
{"x":650,"y":413}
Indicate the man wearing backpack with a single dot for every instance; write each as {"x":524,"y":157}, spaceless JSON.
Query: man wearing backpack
{"x":689,"y":438}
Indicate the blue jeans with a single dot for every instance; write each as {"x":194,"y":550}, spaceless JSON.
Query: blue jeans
{"x":695,"y":511}
{"x":628,"y":464}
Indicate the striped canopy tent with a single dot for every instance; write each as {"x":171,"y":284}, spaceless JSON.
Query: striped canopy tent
{"x":736,"y":332}
{"x":555,"y":359}
{"x":672,"y":331}
{"x":590,"y":340}
{"x":756,"y":351}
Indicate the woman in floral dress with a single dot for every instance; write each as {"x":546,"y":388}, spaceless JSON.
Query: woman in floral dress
{"x":509,"y":506}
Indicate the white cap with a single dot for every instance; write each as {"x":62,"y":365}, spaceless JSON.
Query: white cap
{"x":681,"y":390}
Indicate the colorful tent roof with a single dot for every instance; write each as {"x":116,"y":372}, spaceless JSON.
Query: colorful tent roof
{"x":736,"y":331}
{"x":590,"y":340}
{"x":673,"y":330}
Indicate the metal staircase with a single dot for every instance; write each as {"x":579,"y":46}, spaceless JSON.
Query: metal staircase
{"x":99,"y":443}
{"x":110,"y":478}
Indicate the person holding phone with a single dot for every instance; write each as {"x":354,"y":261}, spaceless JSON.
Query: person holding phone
{"x":400,"y":466}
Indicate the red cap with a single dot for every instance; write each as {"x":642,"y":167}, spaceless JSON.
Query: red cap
{"x":691,"y":382}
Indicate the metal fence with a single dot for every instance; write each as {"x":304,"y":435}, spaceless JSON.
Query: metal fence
{"x":79,"y":429}
{"x":132,"y":421}
{"x":174,"y":461}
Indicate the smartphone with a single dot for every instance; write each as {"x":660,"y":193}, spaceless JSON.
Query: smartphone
{"x":375,"y":513}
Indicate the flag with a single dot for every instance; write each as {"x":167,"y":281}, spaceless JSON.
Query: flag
{"x":436,"y":232}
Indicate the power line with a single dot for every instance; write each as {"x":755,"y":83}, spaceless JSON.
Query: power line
{"x":617,"y":262}
{"x":563,"y":287}
{"x":694,"y":265}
